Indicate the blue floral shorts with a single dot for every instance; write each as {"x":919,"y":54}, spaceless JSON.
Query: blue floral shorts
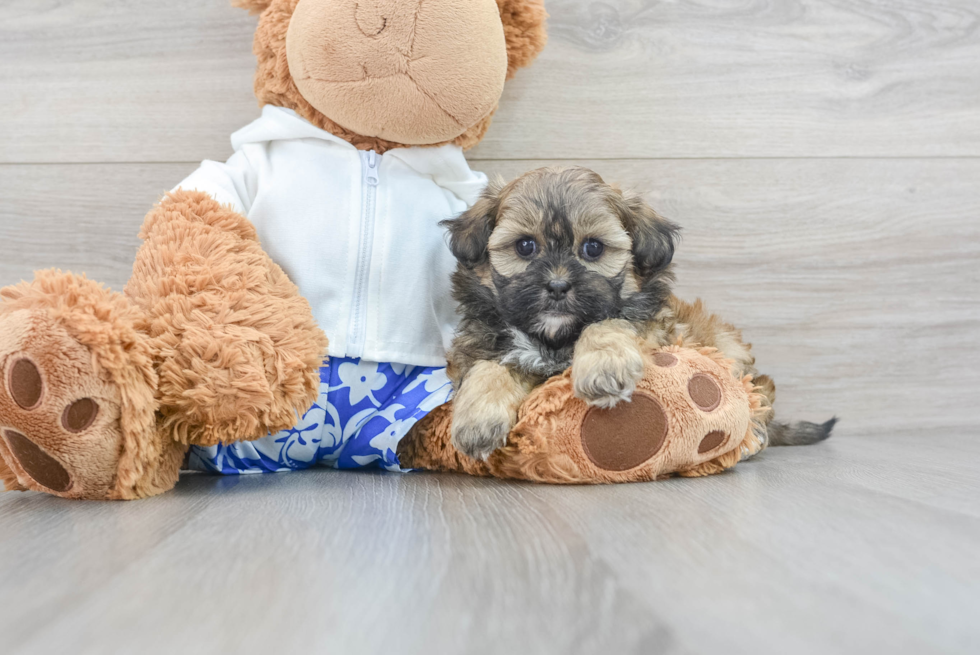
{"x":363,"y":411}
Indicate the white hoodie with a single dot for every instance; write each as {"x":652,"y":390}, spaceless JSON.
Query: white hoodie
{"x":357,"y":232}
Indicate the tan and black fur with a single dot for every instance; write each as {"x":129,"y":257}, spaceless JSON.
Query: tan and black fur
{"x":559,"y":269}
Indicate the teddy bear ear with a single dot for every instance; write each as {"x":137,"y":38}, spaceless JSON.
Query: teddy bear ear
{"x":253,"y":6}
{"x":525,"y":31}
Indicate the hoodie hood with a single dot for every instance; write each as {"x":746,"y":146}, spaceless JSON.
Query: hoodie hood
{"x":445,"y":165}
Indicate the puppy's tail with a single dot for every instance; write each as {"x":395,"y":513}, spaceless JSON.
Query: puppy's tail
{"x":801,"y":433}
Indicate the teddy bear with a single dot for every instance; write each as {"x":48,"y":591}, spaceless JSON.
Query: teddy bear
{"x":290,"y":307}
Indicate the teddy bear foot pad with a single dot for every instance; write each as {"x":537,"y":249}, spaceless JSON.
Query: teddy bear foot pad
{"x":687,"y":412}
{"x":54,"y":409}
{"x":626,"y":436}
{"x":689,"y":416}
{"x":631,"y":434}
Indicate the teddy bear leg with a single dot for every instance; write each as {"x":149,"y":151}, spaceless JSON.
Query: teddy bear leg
{"x":238,"y":352}
{"x":689,"y":415}
{"x":77,"y":393}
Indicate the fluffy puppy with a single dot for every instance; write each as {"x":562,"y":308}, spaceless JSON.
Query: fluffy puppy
{"x":556,"y":269}
{"x":559,"y":269}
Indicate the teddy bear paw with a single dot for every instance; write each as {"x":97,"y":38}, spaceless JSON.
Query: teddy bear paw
{"x":686,"y":412}
{"x":59,"y":419}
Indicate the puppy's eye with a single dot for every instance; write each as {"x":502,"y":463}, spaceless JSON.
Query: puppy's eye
{"x":526,"y":247}
{"x":592,"y":249}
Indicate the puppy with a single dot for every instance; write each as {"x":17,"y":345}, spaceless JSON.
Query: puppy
{"x":559,"y":269}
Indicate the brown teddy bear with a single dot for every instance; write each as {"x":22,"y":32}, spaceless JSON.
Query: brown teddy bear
{"x":213,"y":356}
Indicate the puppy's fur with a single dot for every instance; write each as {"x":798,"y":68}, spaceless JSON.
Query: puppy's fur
{"x":537,"y":295}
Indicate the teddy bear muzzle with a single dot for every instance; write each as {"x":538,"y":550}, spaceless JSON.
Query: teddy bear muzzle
{"x":415,"y":73}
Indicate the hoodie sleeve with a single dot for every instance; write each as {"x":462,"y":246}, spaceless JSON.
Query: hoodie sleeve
{"x":230,"y":183}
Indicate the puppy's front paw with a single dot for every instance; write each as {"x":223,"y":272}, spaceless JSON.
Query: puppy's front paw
{"x":477,"y":437}
{"x":604,"y":378}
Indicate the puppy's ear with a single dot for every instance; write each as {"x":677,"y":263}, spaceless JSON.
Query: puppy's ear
{"x":469,"y":233}
{"x":653,"y":236}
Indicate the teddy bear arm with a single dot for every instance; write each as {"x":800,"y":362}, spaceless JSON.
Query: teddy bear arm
{"x":237,"y":349}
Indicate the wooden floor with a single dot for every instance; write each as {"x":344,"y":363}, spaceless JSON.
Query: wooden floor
{"x":860,"y":545}
{"x":823,"y":157}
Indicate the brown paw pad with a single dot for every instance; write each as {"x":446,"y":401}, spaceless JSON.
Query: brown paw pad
{"x":665,"y":360}
{"x":705,"y":392}
{"x":625,"y":436}
{"x":25,"y":384}
{"x":711,"y":441}
{"x":45,"y":470}
{"x":80,"y":415}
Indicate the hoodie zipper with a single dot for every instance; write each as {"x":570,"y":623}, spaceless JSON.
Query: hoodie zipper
{"x":370,"y":164}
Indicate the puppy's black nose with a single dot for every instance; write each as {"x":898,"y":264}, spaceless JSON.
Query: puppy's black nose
{"x":558,"y":288}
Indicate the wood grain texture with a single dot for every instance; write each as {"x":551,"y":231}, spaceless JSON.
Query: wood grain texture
{"x":94,"y":80}
{"x":108,"y":80}
{"x":855,"y":279}
{"x":846,"y":547}
{"x":82,"y":218}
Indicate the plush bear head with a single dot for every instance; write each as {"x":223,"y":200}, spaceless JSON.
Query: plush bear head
{"x":388,"y":73}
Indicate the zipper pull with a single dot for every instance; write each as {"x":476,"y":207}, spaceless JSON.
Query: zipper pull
{"x":372,"y":171}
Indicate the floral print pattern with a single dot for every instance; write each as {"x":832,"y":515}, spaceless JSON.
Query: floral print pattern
{"x":363,"y":411}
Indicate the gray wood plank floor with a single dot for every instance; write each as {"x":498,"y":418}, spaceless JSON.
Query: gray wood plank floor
{"x":823,"y":157}
{"x":859,"y":545}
